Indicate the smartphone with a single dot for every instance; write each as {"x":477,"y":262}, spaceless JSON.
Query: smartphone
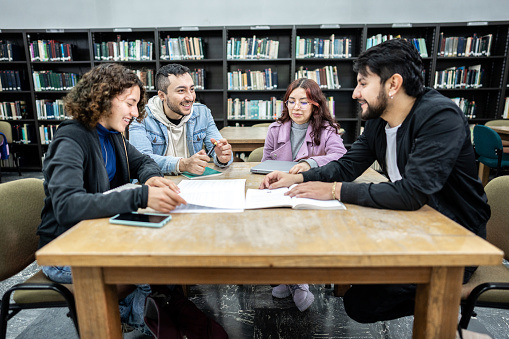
{"x":141,"y":219}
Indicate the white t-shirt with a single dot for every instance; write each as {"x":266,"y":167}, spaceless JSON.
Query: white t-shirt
{"x":391,"y":155}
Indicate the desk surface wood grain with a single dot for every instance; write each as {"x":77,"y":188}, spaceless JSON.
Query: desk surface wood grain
{"x":357,"y":237}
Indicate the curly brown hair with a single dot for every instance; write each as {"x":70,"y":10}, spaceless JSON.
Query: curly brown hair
{"x":91,"y":98}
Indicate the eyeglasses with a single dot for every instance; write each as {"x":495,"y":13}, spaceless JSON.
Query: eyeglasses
{"x":292,"y":103}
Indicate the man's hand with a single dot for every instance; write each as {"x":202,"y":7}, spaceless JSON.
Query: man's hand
{"x":162,"y":182}
{"x":163,"y":199}
{"x":315,"y":190}
{"x":195,"y":164}
{"x":300,"y":167}
{"x":279,"y":179}
{"x":223,"y":150}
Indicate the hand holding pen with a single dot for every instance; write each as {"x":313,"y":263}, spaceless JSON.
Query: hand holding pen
{"x":223,"y":150}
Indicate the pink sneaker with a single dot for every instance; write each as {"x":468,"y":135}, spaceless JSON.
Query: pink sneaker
{"x":302,"y":297}
{"x":281,"y":291}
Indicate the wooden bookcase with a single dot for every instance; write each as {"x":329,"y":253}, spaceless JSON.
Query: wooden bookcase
{"x":489,"y":98}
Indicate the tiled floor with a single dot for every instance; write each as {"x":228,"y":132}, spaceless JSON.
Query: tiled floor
{"x":249,"y":311}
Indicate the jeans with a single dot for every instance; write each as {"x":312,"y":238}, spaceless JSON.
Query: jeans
{"x":131,"y":307}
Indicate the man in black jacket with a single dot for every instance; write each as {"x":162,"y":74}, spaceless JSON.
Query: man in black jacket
{"x":422,"y":141}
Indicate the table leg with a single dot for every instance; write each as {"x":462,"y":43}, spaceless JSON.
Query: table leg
{"x":437,"y":304}
{"x":96,"y":303}
{"x":484,"y":173}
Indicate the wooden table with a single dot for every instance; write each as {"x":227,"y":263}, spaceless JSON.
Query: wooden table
{"x":503,"y":131}
{"x":244,"y":139}
{"x":359,"y":245}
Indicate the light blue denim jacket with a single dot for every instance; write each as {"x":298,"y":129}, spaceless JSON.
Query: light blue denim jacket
{"x":151,"y":137}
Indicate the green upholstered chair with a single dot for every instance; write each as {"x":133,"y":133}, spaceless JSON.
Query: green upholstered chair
{"x":20,"y":209}
{"x":489,"y":285}
{"x":256,"y":155}
{"x":488,"y":146}
{"x":6,"y":130}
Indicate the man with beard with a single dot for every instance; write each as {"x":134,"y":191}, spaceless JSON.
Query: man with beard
{"x":175,"y":129}
{"x":422,"y":141}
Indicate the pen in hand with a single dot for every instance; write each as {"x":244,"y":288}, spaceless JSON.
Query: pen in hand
{"x":209,"y":153}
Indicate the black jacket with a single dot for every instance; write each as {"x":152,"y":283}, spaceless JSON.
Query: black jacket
{"x":435,"y":158}
{"x":75,"y":178}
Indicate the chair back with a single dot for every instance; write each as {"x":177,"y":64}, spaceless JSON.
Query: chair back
{"x":498,"y":226}
{"x":256,"y":155}
{"x":21,"y":202}
{"x":263,"y":124}
{"x":6,"y":129}
{"x":487,"y":142}
{"x":498,"y":122}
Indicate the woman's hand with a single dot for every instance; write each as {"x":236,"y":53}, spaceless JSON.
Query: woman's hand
{"x":163,"y":199}
{"x":300,"y":167}
{"x":162,"y":182}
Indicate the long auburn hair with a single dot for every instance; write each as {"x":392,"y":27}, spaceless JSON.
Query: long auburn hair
{"x":320,"y":114}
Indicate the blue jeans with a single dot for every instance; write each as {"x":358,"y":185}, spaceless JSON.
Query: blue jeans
{"x":131,"y":307}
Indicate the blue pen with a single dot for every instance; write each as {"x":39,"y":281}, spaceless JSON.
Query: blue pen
{"x":209,"y":153}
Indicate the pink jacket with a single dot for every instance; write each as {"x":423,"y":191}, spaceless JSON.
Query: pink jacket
{"x":278,"y":146}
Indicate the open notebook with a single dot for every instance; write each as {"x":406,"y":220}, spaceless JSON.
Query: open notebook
{"x":276,"y":198}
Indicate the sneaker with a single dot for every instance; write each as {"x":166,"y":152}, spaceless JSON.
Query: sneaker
{"x":302,"y":297}
{"x":281,"y":291}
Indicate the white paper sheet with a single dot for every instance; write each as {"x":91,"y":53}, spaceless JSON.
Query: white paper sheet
{"x":212,"y":196}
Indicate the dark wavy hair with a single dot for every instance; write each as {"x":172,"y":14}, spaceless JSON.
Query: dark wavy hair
{"x":91,"y":98}
{"x":391,"y":57}
{"x":162,"y":81}
{"x":320,"y":115}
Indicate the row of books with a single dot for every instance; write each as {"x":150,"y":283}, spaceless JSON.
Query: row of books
{"x":8,"y":51}
{"x":505,"y":113}
{"x":181,"y":48}
{"x":46,"y":133}
{"x":254,"y":109}
{"x":13,"y":110}
{"x":252,"y":48}
{"x":460,"y":77}
{"x":124,"y":50}
{"x":50,"y":50}
{"x":419,"y":43}
{"x":467,"y":107}
{"x":10,"y":81}
{"x":198,"y":75}
{"x":50,"y":109}
{"x":23,"y":133}
{"x":54,"y":81}
{"x":147,"y":78}
{"x":326,"y":77}
{"x":474,"y":46}
{"x":323,"y":48}
{"x":252,"y":80}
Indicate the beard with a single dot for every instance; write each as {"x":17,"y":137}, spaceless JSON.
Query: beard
{"x":377,"y":109}
{"x":176,"y":108}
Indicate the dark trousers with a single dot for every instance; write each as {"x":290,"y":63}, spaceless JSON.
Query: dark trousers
{"x":372,"y":303}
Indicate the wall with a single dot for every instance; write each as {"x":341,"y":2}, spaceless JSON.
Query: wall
{"x":25,"y":14}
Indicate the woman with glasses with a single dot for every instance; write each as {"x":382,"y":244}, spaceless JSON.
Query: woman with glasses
{"x":307,"y":133}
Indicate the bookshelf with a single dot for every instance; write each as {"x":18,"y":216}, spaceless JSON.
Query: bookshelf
{"x":345,"y":109}
{"x":214,"y":59}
